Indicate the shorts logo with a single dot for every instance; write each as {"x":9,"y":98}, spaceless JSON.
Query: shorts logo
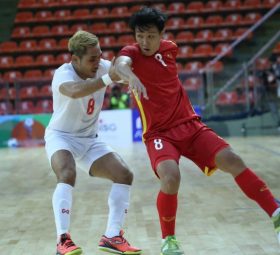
{"x":65,"y":211}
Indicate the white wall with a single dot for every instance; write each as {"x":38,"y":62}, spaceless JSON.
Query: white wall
{"x":115,"y":127}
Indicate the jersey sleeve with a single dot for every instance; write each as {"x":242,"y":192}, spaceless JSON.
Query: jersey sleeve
{"x":61,"y":77}
{"x":171,"y":46}
{"x":175,"y":49}
{"x":128,"y":51}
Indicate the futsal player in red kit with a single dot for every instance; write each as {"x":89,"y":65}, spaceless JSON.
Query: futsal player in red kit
{"x":172,"y":129}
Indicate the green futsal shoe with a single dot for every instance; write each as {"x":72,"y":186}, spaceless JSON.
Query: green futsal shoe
{"x":171,"y":246}
{"x":276,"y":222}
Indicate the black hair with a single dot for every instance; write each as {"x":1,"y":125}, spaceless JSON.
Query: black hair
{"x":146,"y":17}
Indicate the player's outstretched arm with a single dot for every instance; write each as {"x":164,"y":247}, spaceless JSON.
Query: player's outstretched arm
{"x":84,"y":88}
{"x":123,"y":69}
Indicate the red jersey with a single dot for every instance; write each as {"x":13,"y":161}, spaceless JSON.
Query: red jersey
{"x":168,"y":105}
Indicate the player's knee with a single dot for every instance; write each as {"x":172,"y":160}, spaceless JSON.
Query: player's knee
{"x":234,"y":160}
{"x":125,"y":177}
{"x":128,"y":177}
{"x":171,"y":181}
{"x":66,"y":175}
{"x":229,"y":161}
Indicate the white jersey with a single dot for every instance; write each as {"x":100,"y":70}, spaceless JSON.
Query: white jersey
{"x":76,"y":117}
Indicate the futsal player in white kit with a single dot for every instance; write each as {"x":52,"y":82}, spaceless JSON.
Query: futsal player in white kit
{"x":72,"y":140}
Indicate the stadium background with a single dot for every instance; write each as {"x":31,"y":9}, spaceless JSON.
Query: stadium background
{"x":213,"y":217}
{"x":227,"y":50}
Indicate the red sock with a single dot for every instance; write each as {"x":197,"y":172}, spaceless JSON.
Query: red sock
{"x":256,"y":189}
{"x":167,"y":208}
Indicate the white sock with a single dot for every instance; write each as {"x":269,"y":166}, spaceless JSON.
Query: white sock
{"x":62,"y":204}
{"x":276,"y":212}
{"x":118,"y":202}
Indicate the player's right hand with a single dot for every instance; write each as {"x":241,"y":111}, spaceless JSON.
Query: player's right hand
{"x":112,"y":72}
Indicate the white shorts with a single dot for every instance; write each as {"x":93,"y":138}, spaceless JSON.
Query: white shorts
{"x":85,"y":150}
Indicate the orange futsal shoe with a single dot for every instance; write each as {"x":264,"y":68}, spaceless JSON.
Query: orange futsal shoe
{"x":67,"y":247}
{"x":117,"y":245}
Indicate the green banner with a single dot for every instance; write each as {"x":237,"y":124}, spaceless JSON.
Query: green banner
{"x":23,"y":130}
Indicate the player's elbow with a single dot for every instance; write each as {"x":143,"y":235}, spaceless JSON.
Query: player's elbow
{"x":120,"y":65}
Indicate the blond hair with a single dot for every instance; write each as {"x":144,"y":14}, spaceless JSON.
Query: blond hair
{"x":80,"y":41}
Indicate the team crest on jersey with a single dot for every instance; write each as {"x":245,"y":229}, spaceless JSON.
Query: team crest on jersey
{"x":168,"y":55}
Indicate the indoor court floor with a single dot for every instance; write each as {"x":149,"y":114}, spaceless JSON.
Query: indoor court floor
{"x":214,"y":217}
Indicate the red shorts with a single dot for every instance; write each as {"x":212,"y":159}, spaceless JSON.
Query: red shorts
{"x":193,"y":140}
